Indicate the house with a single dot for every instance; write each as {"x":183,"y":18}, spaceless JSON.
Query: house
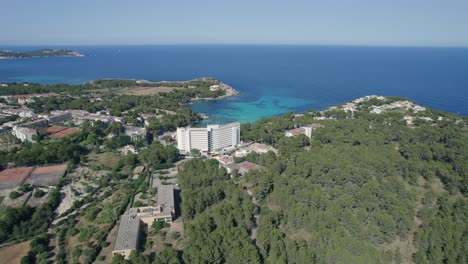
{"x":224,"y":159}
{"x":138,"y":170}
{"x":214,"y":87}
{"x":242,"y":168}
{"x":128,"y":148}
{"x":307,"y":130}
{"x":262,"y":148}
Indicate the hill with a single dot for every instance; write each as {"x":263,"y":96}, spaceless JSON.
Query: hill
{"x":371,"y":186}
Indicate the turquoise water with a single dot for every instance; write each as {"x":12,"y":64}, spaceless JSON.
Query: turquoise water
{"x":245,"y":111}
{"x":272,"y":80}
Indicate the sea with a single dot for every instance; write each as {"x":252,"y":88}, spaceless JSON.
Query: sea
{"x":271,"y":79}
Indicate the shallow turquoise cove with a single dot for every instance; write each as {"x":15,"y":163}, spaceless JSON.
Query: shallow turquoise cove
{"x":248,"y":111}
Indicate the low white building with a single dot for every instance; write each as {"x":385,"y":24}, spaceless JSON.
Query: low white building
{"x":209,"y":139}
{"x":135,"y":133}
{"x":27,"y":113}
{"x":24,"y":134}
{"x":214,"y":87}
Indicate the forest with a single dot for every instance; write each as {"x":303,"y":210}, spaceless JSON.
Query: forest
{"x":366,"y":189}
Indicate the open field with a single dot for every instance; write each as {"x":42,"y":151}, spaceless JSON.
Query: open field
{"x":106,"y":159}
{"x":147,"y":90}
{"x":13,"y":254}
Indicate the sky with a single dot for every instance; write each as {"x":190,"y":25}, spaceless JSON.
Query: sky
{"x":302,"y":22}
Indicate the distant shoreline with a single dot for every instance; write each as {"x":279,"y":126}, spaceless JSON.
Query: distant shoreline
{"x":42,"y":53}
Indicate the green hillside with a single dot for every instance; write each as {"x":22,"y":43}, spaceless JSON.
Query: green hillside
{"x":368,"y":188}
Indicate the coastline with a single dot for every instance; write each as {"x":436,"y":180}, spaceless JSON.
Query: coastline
{"x":230,"y":92}
{"x":35,"y":57}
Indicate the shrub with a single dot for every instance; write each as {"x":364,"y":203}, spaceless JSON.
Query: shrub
{"x":14,"y":195}
{"x":39,"y":193}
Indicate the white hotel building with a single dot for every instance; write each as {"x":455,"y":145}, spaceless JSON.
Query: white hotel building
{"x":209,"y":139}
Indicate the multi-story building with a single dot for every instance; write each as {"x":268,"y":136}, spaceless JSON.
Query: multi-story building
{"x":209,"y":139}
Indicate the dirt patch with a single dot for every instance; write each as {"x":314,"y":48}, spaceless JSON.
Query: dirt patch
{"x":438,"y":186}
{"x":38,"y":201}
{"x":13,"y":254}
{"x":67,"y":200}
{"x":17,"y":202}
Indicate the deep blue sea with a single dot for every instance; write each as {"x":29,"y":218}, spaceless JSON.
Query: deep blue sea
{"x":272,"y":79}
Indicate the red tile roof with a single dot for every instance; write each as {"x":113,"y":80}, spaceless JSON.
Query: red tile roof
{"x":315,"y":125}
{"x":247,"y":166}
{"x":296,"y":131}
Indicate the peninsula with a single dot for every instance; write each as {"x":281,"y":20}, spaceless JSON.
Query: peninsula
{"x":9,"y":54}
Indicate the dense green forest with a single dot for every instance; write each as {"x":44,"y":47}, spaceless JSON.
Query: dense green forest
{"x":218,"y":216}
{"x":367,"y":189}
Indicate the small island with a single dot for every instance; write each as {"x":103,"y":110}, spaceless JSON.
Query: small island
{"x":9,"y":54}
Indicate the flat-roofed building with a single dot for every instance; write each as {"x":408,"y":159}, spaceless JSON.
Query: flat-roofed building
{"x":131,"y":222}
{"x":135,"y":133}
{"x":212,"y":138}
{"x":128,"y":235}
{"x":36,"y":123}
{"x":60,"y":117}
{"x":28,"y":114}
{"x":261,"y":148}
{"x":165,"y":202}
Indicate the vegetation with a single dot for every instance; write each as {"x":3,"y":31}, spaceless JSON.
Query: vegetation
{"x":218,"y":216}
{"x":25,"y":222}
{"x":356,"y":191}
{"x":367,"y":188}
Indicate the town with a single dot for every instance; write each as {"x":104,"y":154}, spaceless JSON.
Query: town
{"x":111,"y":180}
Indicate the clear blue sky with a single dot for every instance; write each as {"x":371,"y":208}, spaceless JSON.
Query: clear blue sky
{"x":338,"y":22}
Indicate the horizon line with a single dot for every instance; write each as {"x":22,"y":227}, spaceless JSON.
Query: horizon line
{"x":244,"y":44}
